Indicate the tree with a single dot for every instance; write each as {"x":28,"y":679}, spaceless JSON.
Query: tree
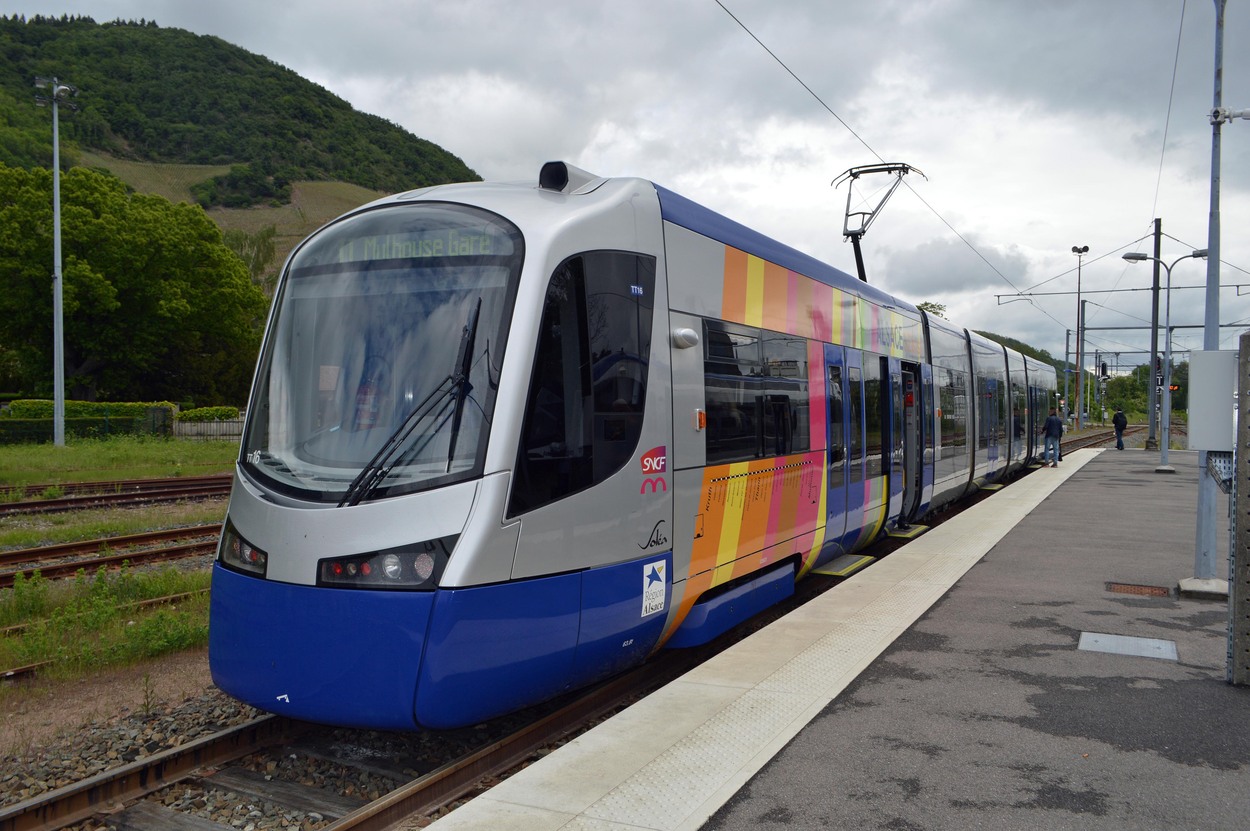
{"x":156,"y":307}
{"x":929,"y":307}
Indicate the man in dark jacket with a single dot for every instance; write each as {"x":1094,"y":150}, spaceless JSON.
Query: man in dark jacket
{"x":1052,"y":430}
{"x":1120,"y":422}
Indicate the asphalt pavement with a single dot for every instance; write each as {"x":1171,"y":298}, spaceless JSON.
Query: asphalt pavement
{"x":1041,"y":691}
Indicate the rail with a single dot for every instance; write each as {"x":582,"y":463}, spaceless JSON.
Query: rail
{"x":115,"y":494}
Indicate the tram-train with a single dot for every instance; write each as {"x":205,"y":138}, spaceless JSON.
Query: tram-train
{"x":506,"y":440}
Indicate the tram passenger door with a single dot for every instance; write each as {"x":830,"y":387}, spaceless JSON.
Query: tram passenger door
{"x":911,"y":403}
{"x":837,"y":462}
{"x":858,"y":482}
{"x":894,"y":443}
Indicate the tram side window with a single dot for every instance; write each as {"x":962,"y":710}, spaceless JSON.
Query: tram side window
{"x":987,"y":395}
{"x":584,"y":410}
{"x":837,"y":435}
{"x":786,"y":426}
{"x":952,"y":395}
{"x":731,"y":382}
{"x":755,"y":389}
{"x":874,"y":419}
{"x":855,"y":392}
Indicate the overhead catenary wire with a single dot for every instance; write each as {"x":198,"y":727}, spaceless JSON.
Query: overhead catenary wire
{"x":869,"y":148}
{"x":1158,"y":179}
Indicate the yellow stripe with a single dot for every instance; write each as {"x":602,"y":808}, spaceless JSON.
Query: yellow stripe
{"x":810,"y":559}
{"x":845,"y":565}
{"x":731,"y":523}
{"x":881,"y":513}
{"x":819,"y":538}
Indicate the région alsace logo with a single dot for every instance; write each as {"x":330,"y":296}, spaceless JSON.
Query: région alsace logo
{"x":654,"y":461}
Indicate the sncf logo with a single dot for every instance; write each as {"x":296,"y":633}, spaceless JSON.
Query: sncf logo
{"x":654,"y":461}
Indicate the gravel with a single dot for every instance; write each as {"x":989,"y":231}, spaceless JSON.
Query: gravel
{"x":100,"y":746}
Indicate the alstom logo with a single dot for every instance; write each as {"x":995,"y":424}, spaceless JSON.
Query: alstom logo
{"x":655,"y":460}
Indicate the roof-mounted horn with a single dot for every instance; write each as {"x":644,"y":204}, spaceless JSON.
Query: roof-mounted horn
{"x":563,"y":177}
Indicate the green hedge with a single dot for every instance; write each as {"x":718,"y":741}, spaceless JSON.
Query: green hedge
{"x":43,"y":408}
{"x":32,"y":420}
{"x":208,"y":414}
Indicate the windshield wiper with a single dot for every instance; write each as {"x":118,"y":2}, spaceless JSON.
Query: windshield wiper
{"x":464,"y":362}
{"x":375,"y":471}
{"x":379,"y":467}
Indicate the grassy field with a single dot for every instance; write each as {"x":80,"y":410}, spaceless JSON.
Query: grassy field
{"x":312,"y":205}
{"x":76,"y":526}
{"x":172,"y":181}
{"x":88,"y":623}
{"x":91,"y":622}
{"x":117,"y":457}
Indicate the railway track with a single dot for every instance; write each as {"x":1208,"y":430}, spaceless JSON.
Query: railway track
{"x":137,"y":796}
{"x":1097,"y":438}
{"x":65,"y":559}
{"x":114,"y":494}
{"x":143,"y":795}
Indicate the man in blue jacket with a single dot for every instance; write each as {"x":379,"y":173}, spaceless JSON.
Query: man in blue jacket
{"x":1052,"y":430}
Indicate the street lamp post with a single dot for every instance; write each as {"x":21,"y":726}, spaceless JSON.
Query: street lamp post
{"x":1166,"y":414}
{"x":60,"y":93}
{"x":1067,"y":374}
{"x":1204,"y":538}
{"x":1080,"y":251}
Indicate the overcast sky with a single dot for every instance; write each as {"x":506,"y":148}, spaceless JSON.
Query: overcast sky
{"x":1040,"y":126}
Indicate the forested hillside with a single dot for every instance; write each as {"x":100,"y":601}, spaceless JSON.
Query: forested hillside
{"x":167,"y":95}
{"x":1024,"y":349}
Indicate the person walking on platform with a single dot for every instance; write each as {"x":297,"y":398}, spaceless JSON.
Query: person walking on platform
{"x":1052,"y":430}
{"x":1119,"y":421}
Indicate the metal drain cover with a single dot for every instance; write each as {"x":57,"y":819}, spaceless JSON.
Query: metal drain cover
{"x":1125,"y":645}
{"x":1138,"y":589}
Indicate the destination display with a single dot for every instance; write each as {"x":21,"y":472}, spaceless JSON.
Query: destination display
{"x":434,"y":242}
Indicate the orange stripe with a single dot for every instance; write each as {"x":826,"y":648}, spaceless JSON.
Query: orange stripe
{"x":756,"y":269}
{"x":734,"y":293}
{"x":758,"y":496}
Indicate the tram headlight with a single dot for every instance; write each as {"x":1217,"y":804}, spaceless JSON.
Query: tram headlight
{"x":415,"y":567}
{"x":237,"y":554}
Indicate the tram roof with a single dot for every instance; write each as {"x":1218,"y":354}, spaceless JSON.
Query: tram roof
{"x":691,"y":215}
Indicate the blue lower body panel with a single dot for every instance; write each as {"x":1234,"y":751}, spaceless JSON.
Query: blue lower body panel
{"x":499,"y":648}
{"x":333,"y":656}
{"x":710,"y":618}
{"x":443,"y":659}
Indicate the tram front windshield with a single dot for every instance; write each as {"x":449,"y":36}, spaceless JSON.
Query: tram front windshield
{"x":379,"y":372}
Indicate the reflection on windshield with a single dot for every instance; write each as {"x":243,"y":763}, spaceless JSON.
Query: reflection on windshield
{"x":359,"y":351}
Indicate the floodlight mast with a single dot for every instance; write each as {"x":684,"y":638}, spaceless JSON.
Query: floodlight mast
{"x":865,"y":218}
{"x":60,"y":94}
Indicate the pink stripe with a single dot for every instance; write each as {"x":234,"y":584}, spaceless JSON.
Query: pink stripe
{"x":774,"y":508}
{"x":809,"y":497}
{"x":817,"y":397}
{"x":821,"y":312}
{"x":795,"y":293}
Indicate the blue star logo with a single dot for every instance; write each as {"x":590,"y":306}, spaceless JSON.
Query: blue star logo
{"x":654,"y":577}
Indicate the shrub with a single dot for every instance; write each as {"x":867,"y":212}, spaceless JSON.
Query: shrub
{"x":208,"y":414}
{"x":43,"y":408}
{"x":31,"y":420}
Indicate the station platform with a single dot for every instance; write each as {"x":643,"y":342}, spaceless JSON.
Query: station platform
{"x":1025,"y":664}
